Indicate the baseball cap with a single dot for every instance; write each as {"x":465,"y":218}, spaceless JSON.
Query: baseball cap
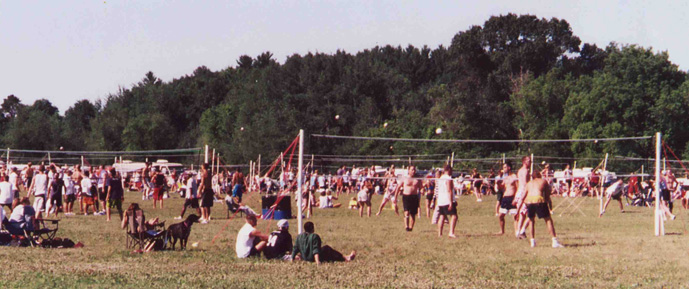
{"x":283,"y":224}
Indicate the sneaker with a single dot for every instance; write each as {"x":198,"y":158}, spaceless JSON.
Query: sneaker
{"x":204,"y":222}
{"x":533,"y":243}
{"x":96,"y":213}
{"x":557,"y":244}
{"x":479,"y":200}
{"x":178,"y":218}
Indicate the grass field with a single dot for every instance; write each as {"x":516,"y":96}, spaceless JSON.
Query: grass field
{"x":618,"y":250}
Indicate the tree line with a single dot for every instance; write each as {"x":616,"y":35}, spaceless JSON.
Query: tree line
{"x":514,"y":77}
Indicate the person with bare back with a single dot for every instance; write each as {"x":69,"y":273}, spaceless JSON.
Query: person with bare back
{"x":538,"y":203}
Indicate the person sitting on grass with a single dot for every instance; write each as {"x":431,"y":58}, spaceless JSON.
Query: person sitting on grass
{"x":308,"y":248}
{"x":279,"y":244}
{"x":353,"y":204}
{"x":326,"y":201}
{"x":250,"y":241}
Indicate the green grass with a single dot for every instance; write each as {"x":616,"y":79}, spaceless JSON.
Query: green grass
{"x":618,"y":250}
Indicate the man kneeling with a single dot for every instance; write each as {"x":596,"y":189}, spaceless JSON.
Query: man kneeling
{"x":308,"y":244}
{"x":250,"y":242}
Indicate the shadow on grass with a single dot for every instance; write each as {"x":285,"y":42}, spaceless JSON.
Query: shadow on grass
{"x":578,"y":245}
{"x":674,"y":234}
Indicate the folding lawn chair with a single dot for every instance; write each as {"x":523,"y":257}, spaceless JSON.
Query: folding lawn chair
{"x":138,"y":235}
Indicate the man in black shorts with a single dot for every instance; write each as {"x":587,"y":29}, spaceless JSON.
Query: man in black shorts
{"x":508,"y":185}
{"x":411,"y":188}
{"x":538,"y":203}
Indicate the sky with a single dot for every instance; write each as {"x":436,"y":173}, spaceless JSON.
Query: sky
{"x":65,"y":51}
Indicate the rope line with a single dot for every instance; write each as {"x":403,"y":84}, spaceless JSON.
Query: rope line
{"x":480,"y":140}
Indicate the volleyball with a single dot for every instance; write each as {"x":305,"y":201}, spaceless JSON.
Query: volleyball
{"x":438,"y":130}
{"x":385,"y":124}
{"x":337,"y":116}
{"x":242,"y":128}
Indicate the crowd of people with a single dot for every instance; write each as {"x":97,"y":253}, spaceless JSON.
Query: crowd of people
{"x":521,"y":194}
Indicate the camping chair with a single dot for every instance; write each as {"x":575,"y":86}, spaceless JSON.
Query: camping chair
{"x":46,"y":231}
{"x":137,"y":233}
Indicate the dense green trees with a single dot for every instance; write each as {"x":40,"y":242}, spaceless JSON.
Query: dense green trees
{"x":517,"y":76}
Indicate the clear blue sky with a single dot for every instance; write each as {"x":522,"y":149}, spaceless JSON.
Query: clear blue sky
{"x":67,"y":50}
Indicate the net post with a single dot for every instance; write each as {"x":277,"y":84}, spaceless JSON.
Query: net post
{"x":531,"y":169}
{"x":8,"y":157}
{"x":659,"y":230}
{"x":205,"y":155}
{"x":300,"y":180}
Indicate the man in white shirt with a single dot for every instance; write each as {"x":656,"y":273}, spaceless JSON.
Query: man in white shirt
{"x":247,"y":245}
{"x":447,"y":207}
{"x":69,"y":193}
{"x":39,"y":188}
{"x":614,"y":191}
{"x":6,"y":193}
{"x":14,"y":180}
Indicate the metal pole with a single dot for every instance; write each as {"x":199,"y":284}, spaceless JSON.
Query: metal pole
{"x":213,"y":162}
{"x":452,"y":160}
{"x":659,"y":230}
{"x":49,"y":160}
{"x":8,"y":158}
{"x":642,"y":173}
{"x":300,"y":180}
{"x":205,"y":156}
{"x":503,"y":158}
{"x":259,"y":165}
{"x":531,"y":165}
{"x":82,"y":163}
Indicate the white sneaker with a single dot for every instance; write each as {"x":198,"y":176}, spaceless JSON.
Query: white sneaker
{"x":557,"y":244}
{"x":178,"y":218}
{"x":533,"y":243}
{"x":204,"y":222}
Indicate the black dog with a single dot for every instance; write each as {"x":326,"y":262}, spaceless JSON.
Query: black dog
{"x":181,"y":231}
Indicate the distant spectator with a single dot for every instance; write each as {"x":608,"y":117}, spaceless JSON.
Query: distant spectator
{"x":308,"y":247}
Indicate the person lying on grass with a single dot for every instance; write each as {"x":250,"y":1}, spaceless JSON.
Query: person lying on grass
{"x":308,"y":248}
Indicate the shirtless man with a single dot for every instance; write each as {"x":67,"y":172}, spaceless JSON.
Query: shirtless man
{"x":508,"y":184}
{"x":538,"y":202}
{"x":238,"y":185}
{"x":524,"y":176}
{"x":206,"y":193}
{"x":410,"y":198}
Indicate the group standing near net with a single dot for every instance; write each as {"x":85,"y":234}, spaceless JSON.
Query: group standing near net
{"x":522,"y":195}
